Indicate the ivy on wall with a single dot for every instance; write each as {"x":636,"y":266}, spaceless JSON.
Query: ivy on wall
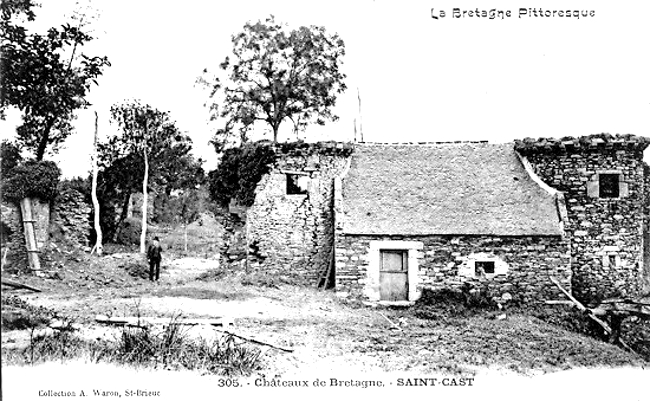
{"x":239,"y":172}
{"x":31,"y":179}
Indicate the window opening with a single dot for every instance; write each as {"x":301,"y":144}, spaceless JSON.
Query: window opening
{"x":483,"y":267}
{"x":296,"y":184}
{"x":608,"y":186}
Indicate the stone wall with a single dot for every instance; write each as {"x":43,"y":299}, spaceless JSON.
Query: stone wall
{"x":14,"y":243}
{"x":293,"y":234}
{"x":646,"y":229}
{"x":605,"y":233}
{"x":71,"y":223}
{"x":232,"y":248}
{"x":524,"y":264}
{"x":64,"y":224}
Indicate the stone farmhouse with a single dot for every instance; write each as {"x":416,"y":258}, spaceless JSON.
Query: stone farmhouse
{"x":385,"y":221}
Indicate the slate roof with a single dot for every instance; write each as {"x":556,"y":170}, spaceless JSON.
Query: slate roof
{"x":444,"y":189}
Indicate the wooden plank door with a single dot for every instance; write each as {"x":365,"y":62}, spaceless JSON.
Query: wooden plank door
{"x":393,"y":275}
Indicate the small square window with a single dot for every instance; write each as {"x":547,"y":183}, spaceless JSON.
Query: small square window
{"x":608,"y":186}
{"x":296,"y":184}
{"x":483,"y":267}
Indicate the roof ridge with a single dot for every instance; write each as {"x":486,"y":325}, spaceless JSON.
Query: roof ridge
{"x":419,"y":143}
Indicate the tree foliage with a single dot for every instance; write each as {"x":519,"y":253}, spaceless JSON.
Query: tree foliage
{"x":239,"y":172}
{"x":9,"y":155}
{"x":171,"y":164}
{"x":45,"y":76}
{"x":276,"y":74}
{"x":121,"y":160}
{"x":32,"y":179}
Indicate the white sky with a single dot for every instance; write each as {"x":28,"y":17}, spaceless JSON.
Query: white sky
{"x":420,"y":79}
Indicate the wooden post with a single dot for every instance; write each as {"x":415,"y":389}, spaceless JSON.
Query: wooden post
{"x":30,"y":234}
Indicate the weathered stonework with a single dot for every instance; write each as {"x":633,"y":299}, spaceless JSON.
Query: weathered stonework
{"x":646,"y":229}
{"x":63,"y":224}
{"x":70,"y":224}
{"x":601,"y":249}
{"x":15,"y":241}
{"x":605,"y":233}
{"x":293,"y":234}
{"x":527,"y":264}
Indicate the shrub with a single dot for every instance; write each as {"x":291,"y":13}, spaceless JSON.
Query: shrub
{"x":32,"y":179}
{"x":129,"y":232}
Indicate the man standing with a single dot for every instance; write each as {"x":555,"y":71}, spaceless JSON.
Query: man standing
{"x":154,"y":255}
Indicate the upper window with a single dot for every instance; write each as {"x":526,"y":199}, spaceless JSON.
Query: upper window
{"x":296,"y":184}
{"x":608,"y":186}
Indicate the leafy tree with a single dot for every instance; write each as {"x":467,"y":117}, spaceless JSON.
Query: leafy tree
{"x":39,"y":79}
{"x":188,"y":207}
{"x":149,"y":145}
{"x":276,"y":75}
{"x":10,"y":156}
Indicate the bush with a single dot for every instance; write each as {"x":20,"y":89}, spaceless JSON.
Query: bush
{"x":32,"y":180}
{"x":129,"y":232}
{"x":81,"y":185}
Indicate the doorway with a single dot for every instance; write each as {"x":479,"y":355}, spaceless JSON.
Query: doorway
{"x":393,"y":275}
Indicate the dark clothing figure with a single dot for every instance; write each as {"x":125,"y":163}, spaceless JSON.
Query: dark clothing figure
{"x":154,"y":255}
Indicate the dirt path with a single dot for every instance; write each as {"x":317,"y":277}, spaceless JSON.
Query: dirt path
{"x":326,"y":333}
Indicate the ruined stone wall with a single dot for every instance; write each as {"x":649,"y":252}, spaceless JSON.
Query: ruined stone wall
{"x":293,"y":234}
{"x":63,"y":224}
{"x":646,"y":229}
{"x":605,"y":233}
{"x":13,"y":239}
{"x":232,"y":248}
{"x":71,"y":223}
{"x":524,"y":264}
{"x":12,"y":222}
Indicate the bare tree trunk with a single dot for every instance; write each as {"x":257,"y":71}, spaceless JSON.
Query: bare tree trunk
{"x":98,"y":228}
{"x":276,"y":128}
{"x":145,"y":200}
{"x":185,"y":237}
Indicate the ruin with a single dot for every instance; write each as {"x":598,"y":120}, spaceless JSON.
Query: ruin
{"x":384,"y":221}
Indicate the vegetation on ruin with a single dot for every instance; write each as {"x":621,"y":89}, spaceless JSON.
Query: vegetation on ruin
{"x":239,"y":172}
{"x":32,"y":179}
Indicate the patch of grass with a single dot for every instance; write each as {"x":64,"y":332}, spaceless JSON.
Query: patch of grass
{"x":199,"y":293}
{"x":19,"y":315}
{"x":439,"y":304}
{"x":170,"y":348}
{"x":212,"y":275}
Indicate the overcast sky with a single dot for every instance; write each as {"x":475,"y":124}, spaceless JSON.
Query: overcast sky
{"x":420,"y":79}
